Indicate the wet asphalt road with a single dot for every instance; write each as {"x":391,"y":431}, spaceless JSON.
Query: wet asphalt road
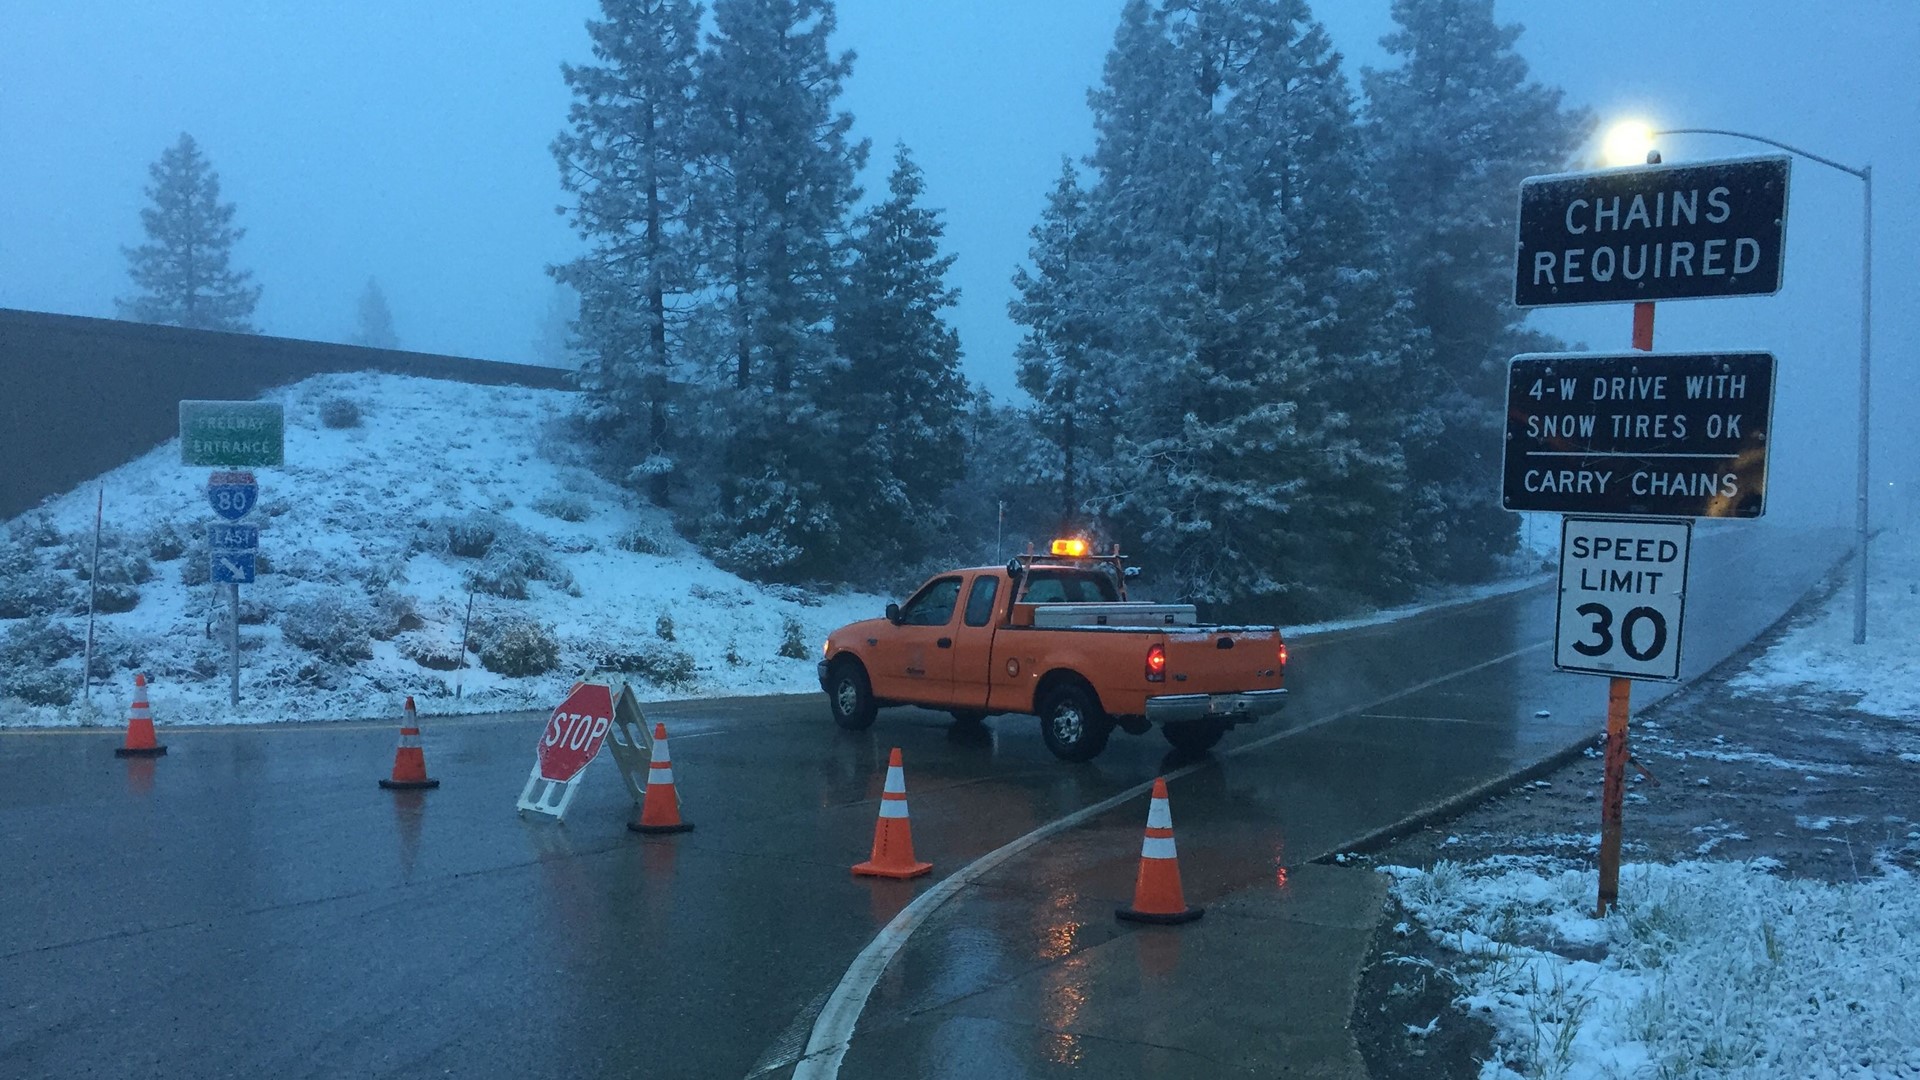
{"x":252,"y":904}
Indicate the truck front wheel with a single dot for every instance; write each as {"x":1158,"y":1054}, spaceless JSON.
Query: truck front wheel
{"x":850,"y":696}
{"x":1072,"y":723}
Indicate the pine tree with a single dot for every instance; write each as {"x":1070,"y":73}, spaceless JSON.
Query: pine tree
{"x":628,"y":160}
{"x":184,"y":270}
{"x":374,"y":328}
{"x":1063,"y":304}
{"x":1453,"y":130}
{"x":900,"y":397}
{"x":773,"y":203}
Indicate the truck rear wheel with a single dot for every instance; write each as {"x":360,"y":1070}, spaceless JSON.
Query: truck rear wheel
{"x":1072,"y":723}
{"x":1194,"y":736}
{"x":850,"y":696}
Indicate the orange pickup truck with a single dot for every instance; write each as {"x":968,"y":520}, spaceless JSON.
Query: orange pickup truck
{"x":1054,"y":636}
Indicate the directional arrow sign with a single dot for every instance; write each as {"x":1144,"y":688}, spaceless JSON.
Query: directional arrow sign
{"x":232,"y":568}
{"x":1640,"y":434}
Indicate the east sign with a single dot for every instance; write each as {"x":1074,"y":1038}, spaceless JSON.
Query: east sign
{"x":1654,"y":232}
{"x":1638,"y":434}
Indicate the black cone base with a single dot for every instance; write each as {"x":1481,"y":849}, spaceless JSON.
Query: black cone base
{"x":1175,"y":919}
{"x":149,"y":751}
{"x":409,"y":785}
{"x":660,"y":830}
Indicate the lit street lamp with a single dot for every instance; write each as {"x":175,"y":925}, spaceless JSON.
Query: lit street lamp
{"x":1630,"y":143}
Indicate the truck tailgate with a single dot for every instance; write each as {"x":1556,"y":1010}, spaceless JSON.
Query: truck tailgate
{"x":1224,"y":660}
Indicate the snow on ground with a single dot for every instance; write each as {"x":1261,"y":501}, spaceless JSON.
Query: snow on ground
{"x":362,"y":516}
{"x":1704,"y":968}
{"x":1820,"y":655}
{"x":1707,"y":968}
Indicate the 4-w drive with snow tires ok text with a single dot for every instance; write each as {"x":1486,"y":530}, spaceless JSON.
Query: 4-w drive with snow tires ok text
{"x":1054,"y":636}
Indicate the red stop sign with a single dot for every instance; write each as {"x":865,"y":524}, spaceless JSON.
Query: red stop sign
{"x":575,"y":732}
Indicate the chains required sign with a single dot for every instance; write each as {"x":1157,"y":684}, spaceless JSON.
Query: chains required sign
{"x":1623,"y":587}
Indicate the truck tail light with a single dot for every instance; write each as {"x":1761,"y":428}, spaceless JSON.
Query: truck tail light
{"x":1157,"y":664}
{"x":1283,"y":656}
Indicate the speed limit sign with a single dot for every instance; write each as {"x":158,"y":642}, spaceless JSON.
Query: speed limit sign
{"x":1623,"y":586}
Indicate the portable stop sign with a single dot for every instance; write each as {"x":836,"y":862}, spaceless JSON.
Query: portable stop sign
{"x":573,"y":736}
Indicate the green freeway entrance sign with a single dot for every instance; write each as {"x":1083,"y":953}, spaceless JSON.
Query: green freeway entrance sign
{"x":232,"y":434}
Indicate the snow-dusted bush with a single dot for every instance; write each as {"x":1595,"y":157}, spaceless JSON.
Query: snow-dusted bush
{"x":471,"y":536}
{"x":663,"y":626}
{"x":793,"y":642}
{"x":722,"y":597}
{"x":31,"y":651}
{"x":428,"y":652}
{"x":35,"y":530}
{"x":335,"y":626}
{"x":27,"y":587}
{"x":564,"y":505}
{"x":194,"y":569}
{"x":393,"y":613}
{"x":340,"y":412}
{"x":514,"y":560}
{"x":167,"y":541}
{"x":661,"y":665}
{"x":645,"y":541}
{"x":520,"y":647}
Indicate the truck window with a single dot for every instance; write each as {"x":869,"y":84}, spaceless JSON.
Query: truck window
{"x":1068,"y":587}
{"x":980,"y":600}
{"x":934,"y":605}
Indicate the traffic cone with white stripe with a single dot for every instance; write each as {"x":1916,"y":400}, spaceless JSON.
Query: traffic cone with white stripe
{"x":1156,"y":892}
{"x":139,"y":741}
{"x":409,"y":759}
{"x":892,"y":835}
{"x":660,"y":810}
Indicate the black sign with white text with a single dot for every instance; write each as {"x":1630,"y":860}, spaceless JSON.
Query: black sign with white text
{"x":1653,"y":232}
{"x":1641,"y":434}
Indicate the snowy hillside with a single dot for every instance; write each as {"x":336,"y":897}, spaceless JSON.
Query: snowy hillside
{"x":371,"y":537}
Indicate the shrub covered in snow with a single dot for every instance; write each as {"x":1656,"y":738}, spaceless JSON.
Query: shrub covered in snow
{"x":564,"y":505}
{"x":428,"y":651}
{"x":340,"y":412}
{"x":470,"y":536}
{"x":513,"y":560}
{"x":645,"y":541}
{"x":520,"y":647}
{"x":663,"y":626}
{"x":167,"y":541}
{"x":335,"y":626}
{"x":31,"y":651}
{"x":793,"y":643}
{"x":27,"y":587}
{"x":661,"y":665}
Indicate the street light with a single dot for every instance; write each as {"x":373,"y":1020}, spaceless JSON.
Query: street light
{"x":1629,"y":143}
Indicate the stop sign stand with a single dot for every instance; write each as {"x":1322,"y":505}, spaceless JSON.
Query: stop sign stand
{"x":594,"y":714}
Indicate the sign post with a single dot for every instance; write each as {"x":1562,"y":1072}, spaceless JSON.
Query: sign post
{"x":234,"y":436}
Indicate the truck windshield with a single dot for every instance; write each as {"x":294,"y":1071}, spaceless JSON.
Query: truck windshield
{"x":1062,"y":586}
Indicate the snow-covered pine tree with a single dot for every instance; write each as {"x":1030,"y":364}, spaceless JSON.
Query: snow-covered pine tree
{"x":627,"y":159}
{"x":1066,"y":354}
{"x":773,"y":206}
{"x":184,"y":271}
{"x":373,"y":322}
{"x":1294,"y":139}
{"x":1453,"y":130}
{"x":899,"y":398}
{"x":1256,"y":456}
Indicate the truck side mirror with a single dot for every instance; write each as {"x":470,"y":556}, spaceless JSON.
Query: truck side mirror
{"x":893,"y":614}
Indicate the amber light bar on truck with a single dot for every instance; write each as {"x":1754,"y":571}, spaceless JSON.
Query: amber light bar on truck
{"x":1071,"y":548}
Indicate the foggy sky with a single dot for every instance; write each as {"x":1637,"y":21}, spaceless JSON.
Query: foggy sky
{"x":408,"y":142}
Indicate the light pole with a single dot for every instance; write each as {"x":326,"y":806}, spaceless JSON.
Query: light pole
{"x":1620,"y":144}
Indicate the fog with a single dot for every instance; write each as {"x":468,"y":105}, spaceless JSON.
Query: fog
{"x":408,"y":143}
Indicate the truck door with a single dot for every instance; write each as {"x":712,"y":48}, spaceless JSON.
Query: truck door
{"x":973,"y":642}
{"x":913,"y":661}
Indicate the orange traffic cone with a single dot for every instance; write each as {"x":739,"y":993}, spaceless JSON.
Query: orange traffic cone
{"x":1156,"y":892}
{"x":660,"y":811}
{"x":892,"y":835}
{"x":139,"y":741}
{"x":409,"y":760}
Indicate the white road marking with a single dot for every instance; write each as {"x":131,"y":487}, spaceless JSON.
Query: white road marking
{"x":833,"y":1029}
